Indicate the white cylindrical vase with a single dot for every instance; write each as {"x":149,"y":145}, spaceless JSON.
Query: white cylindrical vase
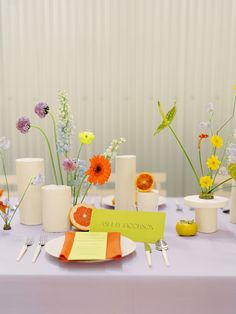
{"x":125,"y":169}
{"x":206,"y":219}
{"x":148,"y":201}
{"x":56,"y":205}
{"x":30,"y":209}
{"x":232,"y":215}
{"x":206,"y":211}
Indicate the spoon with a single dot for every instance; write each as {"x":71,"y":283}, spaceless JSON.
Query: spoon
{"x":162,"y":246}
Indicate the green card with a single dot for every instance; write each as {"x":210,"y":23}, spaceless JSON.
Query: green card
{"x":138,"y":226}
{"x":89,"y":246}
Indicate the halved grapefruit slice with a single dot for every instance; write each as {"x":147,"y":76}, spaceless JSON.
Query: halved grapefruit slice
{"x":144,"y":182}
{"x":80,"y":216}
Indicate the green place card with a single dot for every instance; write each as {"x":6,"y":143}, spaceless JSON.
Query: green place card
{"x":138,"y":226}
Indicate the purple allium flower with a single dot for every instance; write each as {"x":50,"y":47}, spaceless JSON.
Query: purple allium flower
{"x":41,"y":109}
{"x":23,"y":125}
{"x":69,"y":165}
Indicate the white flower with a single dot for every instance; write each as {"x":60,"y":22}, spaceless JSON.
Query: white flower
{"x":204,"y":126}
{"x":210,"y":108}
{"x":223,"y":171}
{"x":113,"y":148}
{"x":38,"y":180}
{"x":4,"y":143}
{"x":65,"y":125}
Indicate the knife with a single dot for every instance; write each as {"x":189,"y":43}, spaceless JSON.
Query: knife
{"x":148,"y":252}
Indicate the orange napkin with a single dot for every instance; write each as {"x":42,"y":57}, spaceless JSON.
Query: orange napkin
{"x":113,"y":246}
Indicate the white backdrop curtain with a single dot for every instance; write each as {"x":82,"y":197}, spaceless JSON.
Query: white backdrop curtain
{"x":116,"y":58}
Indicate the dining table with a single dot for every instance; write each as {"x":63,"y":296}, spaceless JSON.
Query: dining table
{"x":201,"y":277}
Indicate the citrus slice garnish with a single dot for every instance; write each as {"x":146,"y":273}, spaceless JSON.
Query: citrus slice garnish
{"x":144,"y":182}
{"x":80,"y":216}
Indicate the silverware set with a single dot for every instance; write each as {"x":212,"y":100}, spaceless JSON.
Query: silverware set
{"x":29,"y":242}
{"x":161,"y":246}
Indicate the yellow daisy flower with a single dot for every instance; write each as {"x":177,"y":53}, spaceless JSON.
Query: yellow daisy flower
{"x":206,"y":182}
{"x":213,"y":162}
{"x":216,"y":141}
{"x":234,"y":87}
{"x":86,"y":137}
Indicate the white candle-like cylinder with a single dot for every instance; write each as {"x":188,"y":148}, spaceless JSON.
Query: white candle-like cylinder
{"x":125,"y":182}
{"x":56,"y":205}
{"x":30,"y":209}
{"x":232,"y":216}
{"x":148,"y":201}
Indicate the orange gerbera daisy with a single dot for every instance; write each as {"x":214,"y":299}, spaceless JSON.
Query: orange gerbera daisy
{"x":1,"y":192}
{"x":99,"y":171}
{"x":3,"y":207}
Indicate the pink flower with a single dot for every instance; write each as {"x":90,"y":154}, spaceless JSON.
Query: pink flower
{"x":41,"y":109}
{"x":23,"y":125}
{"x":69,"y":165}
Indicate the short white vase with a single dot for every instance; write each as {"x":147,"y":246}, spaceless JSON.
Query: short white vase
{"x":206,"y":211}
{"x":232,"y":215}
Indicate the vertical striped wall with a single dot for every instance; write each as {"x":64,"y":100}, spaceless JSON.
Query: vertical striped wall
{"x":115,"y":58}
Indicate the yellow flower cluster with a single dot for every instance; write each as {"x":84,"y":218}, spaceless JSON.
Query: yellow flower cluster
{"x":86,"y":137}
{"x":216,"y":141}
{"x":206,"y":182}
{"x":213,"y":162}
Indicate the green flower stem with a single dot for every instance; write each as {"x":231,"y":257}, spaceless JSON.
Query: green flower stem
{"x":222,"y":159}
{"x":50,"y":150}
{"x":85,"y":193}
{"x":225,"y":187}
{"x":200,"y":160}
{"x":81,"y":145}
{"x":67,"y":177}
{"x":220,"y":184}
{"x":55,"y":139}
{"x":75,"y":174}
{"x":186,"y":155}
{"x":79,"y":188}
{"x":231,"y":117}
{"x":22,"y":197}
{"x":5,"y":175}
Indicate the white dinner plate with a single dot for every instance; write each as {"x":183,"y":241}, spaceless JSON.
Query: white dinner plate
{"x":54,"y":247}
{"x":107,"y":200}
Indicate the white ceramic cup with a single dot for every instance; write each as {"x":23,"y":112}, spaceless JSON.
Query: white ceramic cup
{"x":148,"y":201}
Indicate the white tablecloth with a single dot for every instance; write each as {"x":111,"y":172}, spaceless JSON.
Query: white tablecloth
{"x":201,"y":278}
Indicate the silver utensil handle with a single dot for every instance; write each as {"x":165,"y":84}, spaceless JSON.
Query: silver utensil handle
{"x":22,"y":252}
{"x":165,"y":256}
{"x":36,"y":253}
{"x":149,"y":260}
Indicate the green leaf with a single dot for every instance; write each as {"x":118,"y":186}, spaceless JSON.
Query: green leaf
{"x":171,"y":114}
{"x":161,"y":127}
{"x":232,"y":170}
{"x":167,"y":119}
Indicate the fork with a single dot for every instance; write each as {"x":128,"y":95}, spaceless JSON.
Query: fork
{"x":42,"y":242}
{"x":28,"y":242}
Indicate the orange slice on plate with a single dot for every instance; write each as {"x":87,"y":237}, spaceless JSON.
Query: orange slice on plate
{"x":144,"y":182}
{"x":80,"y":216}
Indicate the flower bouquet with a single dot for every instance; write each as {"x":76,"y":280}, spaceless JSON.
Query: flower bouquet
{"x":214,"y":164}
{"x":205,"y":203}
{"x":7,"y":207}
{"x":67,"y":170}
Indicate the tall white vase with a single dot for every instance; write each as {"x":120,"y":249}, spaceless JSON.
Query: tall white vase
{"x":232,"y":216}
{"x":206,"y":211}
{"x":56,"y":205}
{"x":30,"y":209}
{"x":125,"y":182}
